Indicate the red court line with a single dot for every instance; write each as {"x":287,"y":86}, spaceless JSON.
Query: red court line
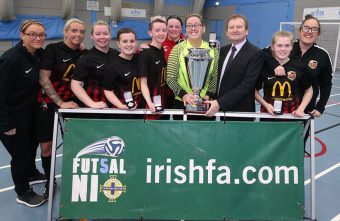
{"x":322,"y":151}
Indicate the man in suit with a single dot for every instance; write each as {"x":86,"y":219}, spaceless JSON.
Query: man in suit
{"x":239,"y":67}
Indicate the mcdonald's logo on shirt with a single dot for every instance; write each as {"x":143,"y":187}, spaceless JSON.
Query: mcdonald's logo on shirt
{"x":135,"y":86}
{"x":282,"y":88}
{"x":67,"y":76}
{"x":163,"y":77}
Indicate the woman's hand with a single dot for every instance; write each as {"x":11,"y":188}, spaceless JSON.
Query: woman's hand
{"x":68,"y":105}
{"x":315,"y":113}
{"x":269,"y":108}
{"x":189,"y":99}
{"x":98,"y":105}
{"x":152,"y":107}
{"x":123,"y":107}
{"x":298,"y":113}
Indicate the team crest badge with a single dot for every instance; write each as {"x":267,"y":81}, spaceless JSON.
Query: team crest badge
{"x":113,"y":188}
{"x":291,"y":75}
{"x":313,"y":64}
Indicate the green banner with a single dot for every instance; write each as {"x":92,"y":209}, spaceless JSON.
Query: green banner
{"x":131,"y":169}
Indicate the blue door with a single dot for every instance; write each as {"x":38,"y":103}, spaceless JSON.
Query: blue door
{"x":217,"y":26}
{"x":264,"y":19}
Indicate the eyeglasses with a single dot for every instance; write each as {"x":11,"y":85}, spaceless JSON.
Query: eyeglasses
{"x":307,"y":28}
{"x":197,"y":26}
{"x":34,"y":36}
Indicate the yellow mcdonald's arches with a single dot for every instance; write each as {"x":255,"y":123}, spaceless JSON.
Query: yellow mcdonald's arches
{"x":66,"y":75}
{"x":135,"y":85}
{"x":163,"y":77}
{"x":282,"y":88}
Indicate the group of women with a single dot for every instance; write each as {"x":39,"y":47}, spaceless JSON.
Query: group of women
{"x":66,"y":75}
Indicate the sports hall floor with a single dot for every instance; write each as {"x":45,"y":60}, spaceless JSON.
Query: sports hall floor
{"x":327,"y":132}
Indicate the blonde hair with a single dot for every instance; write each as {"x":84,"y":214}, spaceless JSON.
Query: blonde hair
{"x":157,"y":18}
{"x":73,"y":20}
{"x":282,"y":34}
{"x":100,"y":22}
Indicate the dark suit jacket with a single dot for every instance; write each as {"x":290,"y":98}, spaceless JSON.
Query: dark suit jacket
{"x":237,"y":89}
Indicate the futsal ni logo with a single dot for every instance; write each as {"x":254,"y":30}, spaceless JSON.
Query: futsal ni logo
{"x":92,"y":165}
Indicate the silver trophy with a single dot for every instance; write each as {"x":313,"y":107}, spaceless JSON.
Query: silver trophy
{"x":198,"y":64}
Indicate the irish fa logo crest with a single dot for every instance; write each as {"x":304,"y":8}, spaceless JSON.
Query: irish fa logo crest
{"x":113,"y":188}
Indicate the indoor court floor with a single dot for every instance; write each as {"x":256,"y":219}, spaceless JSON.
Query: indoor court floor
{"x":327,"y":146}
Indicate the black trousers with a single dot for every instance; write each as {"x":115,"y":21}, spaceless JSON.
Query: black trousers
{"x":22,"y":147}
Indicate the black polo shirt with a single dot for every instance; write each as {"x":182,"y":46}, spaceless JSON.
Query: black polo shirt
{"x":287,"y":89}
{"x":90,"y":70}
{"x":152,"y":65}
{"x":60,"y":60}
{"x":121,"y":75}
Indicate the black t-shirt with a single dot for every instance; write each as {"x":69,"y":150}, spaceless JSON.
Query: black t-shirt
{"x":60,"y":60}
{"x":289,"y":88}
{"x":152,"y":65}
{"x":90,"y":70}
{"x":121,"y":75}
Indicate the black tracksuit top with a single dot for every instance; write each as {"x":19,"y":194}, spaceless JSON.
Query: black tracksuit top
{"x":19,"y":84}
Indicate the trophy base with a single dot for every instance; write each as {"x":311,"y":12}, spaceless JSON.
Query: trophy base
{"x":196,"y":108}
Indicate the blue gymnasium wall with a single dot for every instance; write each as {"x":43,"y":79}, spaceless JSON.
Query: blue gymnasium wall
{"x":264,"y":17}
{"x":140,"y":26}
{"x":168,"y":2}
{"x":54,"y":27}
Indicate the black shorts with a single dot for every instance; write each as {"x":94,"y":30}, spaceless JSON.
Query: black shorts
{"x":44,"y":122}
